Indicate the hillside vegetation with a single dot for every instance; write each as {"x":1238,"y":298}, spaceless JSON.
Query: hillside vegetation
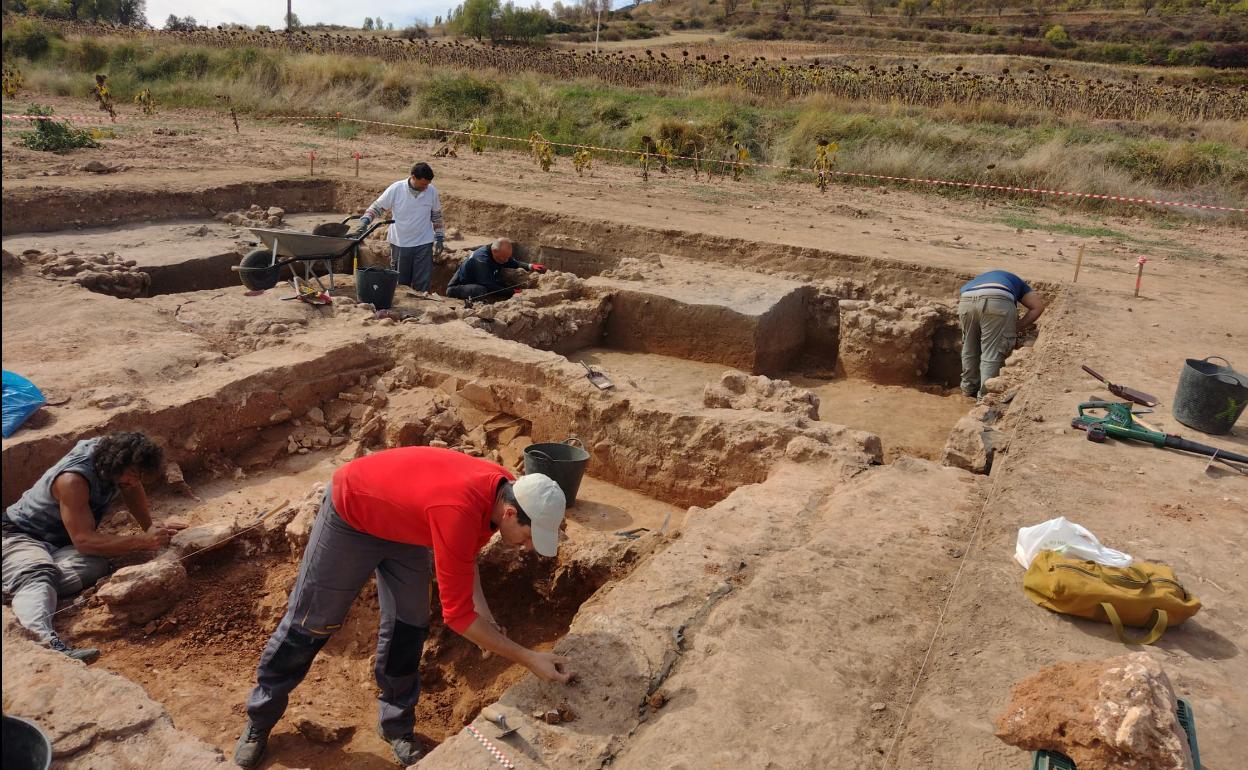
{"x":989,"y":143}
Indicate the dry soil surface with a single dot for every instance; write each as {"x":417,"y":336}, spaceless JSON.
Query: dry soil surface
{"x":1155,"y":504}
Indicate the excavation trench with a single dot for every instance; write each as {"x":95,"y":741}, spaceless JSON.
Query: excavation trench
{"x":257,"y":400}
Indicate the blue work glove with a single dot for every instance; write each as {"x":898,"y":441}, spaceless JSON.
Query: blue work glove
{"x":438,"y":246}
{"x":359,"y":230}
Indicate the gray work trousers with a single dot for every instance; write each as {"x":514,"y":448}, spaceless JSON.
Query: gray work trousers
{"x":36,"y":573}
{"x":989,"y":329}
{"x":336,"y":564}
{"x":415,"y":265}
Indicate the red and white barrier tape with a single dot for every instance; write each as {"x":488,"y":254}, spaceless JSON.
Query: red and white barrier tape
{"x":76,"y":118}
{"x":751,"y":164}
{"x":490,"y":747}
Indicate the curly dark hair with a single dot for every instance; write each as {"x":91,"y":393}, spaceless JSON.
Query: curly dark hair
{"x":118,"y":451}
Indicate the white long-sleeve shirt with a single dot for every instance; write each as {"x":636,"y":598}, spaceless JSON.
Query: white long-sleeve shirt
{"x":417,"y":215}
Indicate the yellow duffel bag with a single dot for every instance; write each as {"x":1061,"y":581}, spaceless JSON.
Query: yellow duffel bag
{"x":1145,"y":595}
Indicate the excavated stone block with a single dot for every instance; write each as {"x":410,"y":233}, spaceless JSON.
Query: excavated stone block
{"x":300,"y":527}
{"x":480,"y":395}
{"x":971,"y":443}
{"x":144,"y":592}
{"x":746,"y":321}
{"x":887,"y":344}
{"x":1115,"y":714}
{"x":204,"y":538}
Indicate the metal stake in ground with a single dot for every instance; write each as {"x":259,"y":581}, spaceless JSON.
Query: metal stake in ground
{"x":356,"y":155}
{"x":1078,"y":264}
{"x":311,"y":162}
{"x":1139,"y":274}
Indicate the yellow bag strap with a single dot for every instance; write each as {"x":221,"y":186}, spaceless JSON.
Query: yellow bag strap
{"x":1154,"y":633}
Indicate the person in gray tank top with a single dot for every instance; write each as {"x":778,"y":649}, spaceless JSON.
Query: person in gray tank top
{"x":52,"y":545}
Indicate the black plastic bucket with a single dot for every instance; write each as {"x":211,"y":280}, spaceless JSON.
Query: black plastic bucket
{"x":1210,"y":398}
{"x":565,"y":463}
{"x":25,"y":746}
{"x":376,"y":285}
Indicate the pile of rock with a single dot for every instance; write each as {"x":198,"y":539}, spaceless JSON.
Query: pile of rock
{"x":741,"y":391}
{"x":634,"y":268}
{"x":465,"y":417}
{"x":556,"y":313}
{"x":255,"y":216}
{"x":101,"y":273}
{"x":350,"y":417}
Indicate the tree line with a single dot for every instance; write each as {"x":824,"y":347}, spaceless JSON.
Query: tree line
{"x":127,"y":13}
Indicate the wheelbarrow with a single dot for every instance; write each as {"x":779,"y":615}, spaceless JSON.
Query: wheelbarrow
{"x":260,"y":269}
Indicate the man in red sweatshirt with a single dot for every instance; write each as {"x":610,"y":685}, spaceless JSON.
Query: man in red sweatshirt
{"x":397,"y":513}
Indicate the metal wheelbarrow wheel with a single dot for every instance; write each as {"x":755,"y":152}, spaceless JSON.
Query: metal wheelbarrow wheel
{"x":257,"y":270}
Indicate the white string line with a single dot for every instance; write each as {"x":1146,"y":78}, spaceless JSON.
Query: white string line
{"x":966,"y":556}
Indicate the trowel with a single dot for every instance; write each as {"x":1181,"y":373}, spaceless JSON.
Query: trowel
{"x":498,"y":719}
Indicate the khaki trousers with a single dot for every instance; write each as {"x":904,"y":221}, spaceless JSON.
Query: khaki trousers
{"x":989,"y":329}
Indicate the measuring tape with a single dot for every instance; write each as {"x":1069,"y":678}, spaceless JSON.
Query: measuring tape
{"x":495,"y":752}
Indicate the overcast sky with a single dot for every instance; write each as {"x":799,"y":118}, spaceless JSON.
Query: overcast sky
{"x":271,"y":12}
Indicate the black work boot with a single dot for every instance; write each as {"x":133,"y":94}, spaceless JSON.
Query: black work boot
{"x":85,"y":654}
{"x":251,"y":744}
{"x":406,"y":748}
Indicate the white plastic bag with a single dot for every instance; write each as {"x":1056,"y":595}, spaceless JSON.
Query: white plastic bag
{"x":1068,"y":539}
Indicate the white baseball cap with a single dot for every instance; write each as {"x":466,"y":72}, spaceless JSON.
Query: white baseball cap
{"x":543,"y":502}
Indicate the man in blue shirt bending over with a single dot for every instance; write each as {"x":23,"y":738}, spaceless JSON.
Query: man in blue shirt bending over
{"x":480,"y":276}
{"x":988,"y":314}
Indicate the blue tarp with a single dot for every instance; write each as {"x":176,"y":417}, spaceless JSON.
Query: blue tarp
{"x":21,"y":399}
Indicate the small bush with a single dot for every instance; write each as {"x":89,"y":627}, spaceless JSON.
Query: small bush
{"x":28,"y":38}
{"x":54,"y":135}
{"x":1056,"y":36}
{"x":394,"y":94}
{"x":764,"y":31}
{"x":86,"y":55}
{"x":460,"y":97}
{"x":1172,"y":164}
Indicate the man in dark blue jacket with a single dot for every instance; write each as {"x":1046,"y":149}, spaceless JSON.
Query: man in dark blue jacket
{"x":480,"y":276}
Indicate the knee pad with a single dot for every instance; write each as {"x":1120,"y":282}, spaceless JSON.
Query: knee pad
{"x":405,"y":649}
{"x":296,"y":652}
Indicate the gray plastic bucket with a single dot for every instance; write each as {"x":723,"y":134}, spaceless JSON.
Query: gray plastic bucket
{"x":565,"y":463}
{"x":376,"y":285}
{"x":1210,"y":398}
{"x":25,"y":747}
